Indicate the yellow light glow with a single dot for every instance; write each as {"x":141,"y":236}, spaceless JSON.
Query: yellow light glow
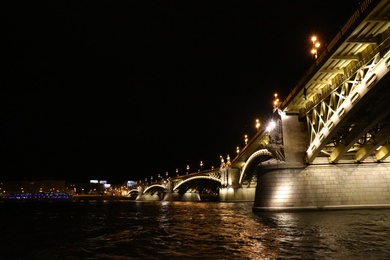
{"x":282,"y":194}
{"x":271,"y":126}
{"x":257,"y":124}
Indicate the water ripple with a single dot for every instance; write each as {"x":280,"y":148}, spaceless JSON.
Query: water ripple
{"x":189,"y":230}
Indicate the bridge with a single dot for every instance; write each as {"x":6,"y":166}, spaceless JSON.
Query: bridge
{"x":329,"y":143}
{"x":230,"y":176}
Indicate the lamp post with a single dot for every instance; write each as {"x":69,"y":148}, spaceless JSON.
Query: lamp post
{"x":246,"y":139}
{"x":201,"y":165}
{"x":315,"y":46}
{"x":276,"y":101}
{"x":257,"y":124}
{"x":188,"y":168}
{"x":238,"y":150}
{"x":177,"y":172}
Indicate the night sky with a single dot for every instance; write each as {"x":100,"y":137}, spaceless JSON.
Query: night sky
{"x":125,"y":90}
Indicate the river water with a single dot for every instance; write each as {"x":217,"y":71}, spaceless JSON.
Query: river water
{"x":93,"y":229}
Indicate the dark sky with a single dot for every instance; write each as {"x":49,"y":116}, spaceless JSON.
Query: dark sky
{"x":123,"y":90}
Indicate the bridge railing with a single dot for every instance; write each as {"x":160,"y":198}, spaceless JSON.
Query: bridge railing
{"x":309,"y":73}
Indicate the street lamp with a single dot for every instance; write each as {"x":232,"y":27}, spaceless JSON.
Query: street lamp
{"x":177,"y":172}
{"x":246,"y":139}
{"x":315,"y":46}
{"x":188,"y":168}
{"x":271,"y":126}
{"x":276,"y":101}
{"x":201,"y":165}
{"x":238,"y":149}
{"x":257,"y":124}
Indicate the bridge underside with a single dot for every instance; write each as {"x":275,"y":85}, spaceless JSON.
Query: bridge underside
{"x":199,"y":185}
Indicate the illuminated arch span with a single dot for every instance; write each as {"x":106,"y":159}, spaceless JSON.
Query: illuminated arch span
{"x":154,"y":187}
{"x":197,"y":177}
{"x":263,"y":152}
{"x":132,"y":191}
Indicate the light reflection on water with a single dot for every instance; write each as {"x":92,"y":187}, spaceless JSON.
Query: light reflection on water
{"x":188,"y":230}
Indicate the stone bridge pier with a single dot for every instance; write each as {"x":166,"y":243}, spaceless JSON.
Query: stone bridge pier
{"x":294,"y":185}
{"x":233,"y":191}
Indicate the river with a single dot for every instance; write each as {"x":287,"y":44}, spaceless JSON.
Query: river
{"x":93,"y":229}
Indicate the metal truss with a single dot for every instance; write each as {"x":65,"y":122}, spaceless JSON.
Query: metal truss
{"x":332,"y":101}
{"x":345,"y":123}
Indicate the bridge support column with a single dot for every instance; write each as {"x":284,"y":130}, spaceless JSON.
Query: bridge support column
{"x":294,"y":139}
{"x":175,"y":196}
{"x":148,"y":197}
{"x":234,"y":192}
{"x":383,"y":153}
{"x":233,"y":177}
{"x":237,"y":194}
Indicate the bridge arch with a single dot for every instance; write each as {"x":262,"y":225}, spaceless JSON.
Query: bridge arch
{"x":155,"y":188}
{"x":257,"y":157}
{"x":193,"y":182}
{"x":132,"y":191}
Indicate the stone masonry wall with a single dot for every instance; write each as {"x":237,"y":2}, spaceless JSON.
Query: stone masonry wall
{"x":324,"y":187}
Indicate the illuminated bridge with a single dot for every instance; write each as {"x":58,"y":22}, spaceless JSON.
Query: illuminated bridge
{"x":232,"y":175}
{"x":330,"y":142}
